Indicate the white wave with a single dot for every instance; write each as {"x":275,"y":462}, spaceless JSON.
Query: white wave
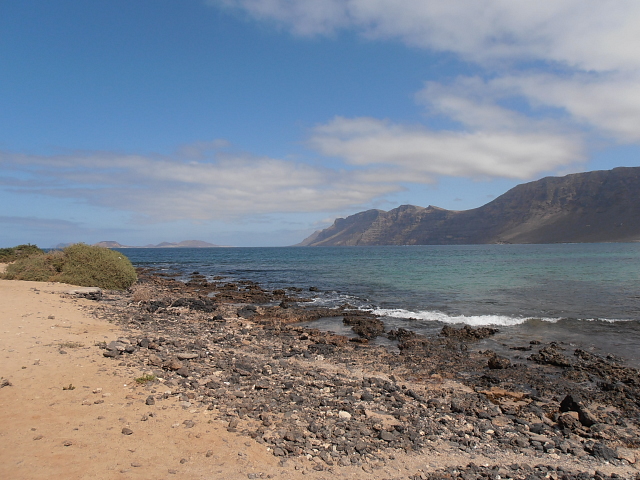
{"x":473,"y":320}
{"x":609,"y":320}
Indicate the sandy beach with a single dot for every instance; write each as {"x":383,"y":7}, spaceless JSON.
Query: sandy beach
{"x":69,"y":411}
{"x":64,"y":406}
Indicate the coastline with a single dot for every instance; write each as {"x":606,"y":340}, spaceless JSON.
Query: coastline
{"x":243,"y":392}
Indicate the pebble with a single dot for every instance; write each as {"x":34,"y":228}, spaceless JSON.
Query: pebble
{"x":127,"y":431}
{"x":187,"y":356}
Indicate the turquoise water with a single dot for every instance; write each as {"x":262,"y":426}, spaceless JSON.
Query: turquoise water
{"x":584,"y":293}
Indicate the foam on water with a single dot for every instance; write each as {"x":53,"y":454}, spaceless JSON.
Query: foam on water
{"x":473,"y":320}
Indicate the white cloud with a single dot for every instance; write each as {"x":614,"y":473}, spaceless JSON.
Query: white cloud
{"x":586,"y":34}
{"x":414,"y":154}
{"x":609,"y":103}
{"x":474,"y":104}
{"x":588,"y":51}
{"x":168,"y":188}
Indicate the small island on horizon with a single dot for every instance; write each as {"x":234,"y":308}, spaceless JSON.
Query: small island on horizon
{"x":183,"y":244}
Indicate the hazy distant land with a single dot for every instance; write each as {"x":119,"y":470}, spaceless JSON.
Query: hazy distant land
{"x":183,"y":244}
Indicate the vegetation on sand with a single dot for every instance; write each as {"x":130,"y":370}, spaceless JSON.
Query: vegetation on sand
{"x":145,"y":378}
{"x":12,"y":254}
{"x":78,"y":264}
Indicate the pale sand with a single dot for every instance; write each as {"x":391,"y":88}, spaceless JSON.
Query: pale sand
{"x":49,"y":432}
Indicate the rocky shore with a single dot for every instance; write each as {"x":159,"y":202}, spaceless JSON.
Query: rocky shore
{"x":322,"y":402}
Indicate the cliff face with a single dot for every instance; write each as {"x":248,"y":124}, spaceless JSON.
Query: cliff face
{"x":600,"y":206}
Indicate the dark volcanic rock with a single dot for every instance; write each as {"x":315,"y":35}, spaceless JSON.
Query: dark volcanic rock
{"x":197,"y":304}
{"x":496,"y":362}
{"x":467,"y":332}
{"x":364,"y":324}
{"x":603,"y":452}
{"x":551,"y":356}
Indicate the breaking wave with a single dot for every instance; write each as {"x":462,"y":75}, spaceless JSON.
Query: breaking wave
{"x":473,"y":320}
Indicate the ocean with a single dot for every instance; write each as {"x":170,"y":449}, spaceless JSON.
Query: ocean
{"x":585,"y":295}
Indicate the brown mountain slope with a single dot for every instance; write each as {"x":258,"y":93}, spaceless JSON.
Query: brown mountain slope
{"x":600,"y":206}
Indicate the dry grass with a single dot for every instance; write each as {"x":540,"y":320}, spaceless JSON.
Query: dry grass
{"x":142,"y":293}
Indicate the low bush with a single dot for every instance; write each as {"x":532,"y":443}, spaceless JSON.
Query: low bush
{"x":35,"y":268}
{"x":91,"y":266}
{"x":12,"y":254}
{"x":78,"y":264}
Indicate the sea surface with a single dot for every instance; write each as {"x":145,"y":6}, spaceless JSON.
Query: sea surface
{"x":585,"y":295}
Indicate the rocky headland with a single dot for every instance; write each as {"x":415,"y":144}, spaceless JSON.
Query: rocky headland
{"x":328,"y":405}
{"x":590,"y":207}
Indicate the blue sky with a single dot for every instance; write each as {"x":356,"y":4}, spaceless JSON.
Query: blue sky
{"x":256,"y":122}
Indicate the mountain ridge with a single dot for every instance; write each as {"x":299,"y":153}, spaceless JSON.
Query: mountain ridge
{"x":589,"y":207}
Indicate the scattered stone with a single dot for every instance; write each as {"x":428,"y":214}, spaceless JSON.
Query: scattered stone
{"x":155,"y":360}
{"x":496,"y":362}
{"x":173,"y":364}
{"x":91,"y":293}
{"x":570,"y":420}
{"x":626,"y":454}
{"x":601,"y":451}
{"x":187,"y":356}
{"x":127,"y":431}
{"x":304,"y":393}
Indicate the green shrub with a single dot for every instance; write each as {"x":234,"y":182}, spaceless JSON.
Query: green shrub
{"x":145,"y":379}
{"x":35,"y":268}
{"x":78,"y":264}
{"x":91,"y":266}
{"x":12,"y":254}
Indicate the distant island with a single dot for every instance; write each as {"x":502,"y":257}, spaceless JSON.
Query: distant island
{"x":183,"y":244}
{"x":591,"y":207}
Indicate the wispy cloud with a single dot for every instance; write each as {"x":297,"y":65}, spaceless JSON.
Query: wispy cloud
{"x":165,"y":188}
{"x":44,"y":224}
